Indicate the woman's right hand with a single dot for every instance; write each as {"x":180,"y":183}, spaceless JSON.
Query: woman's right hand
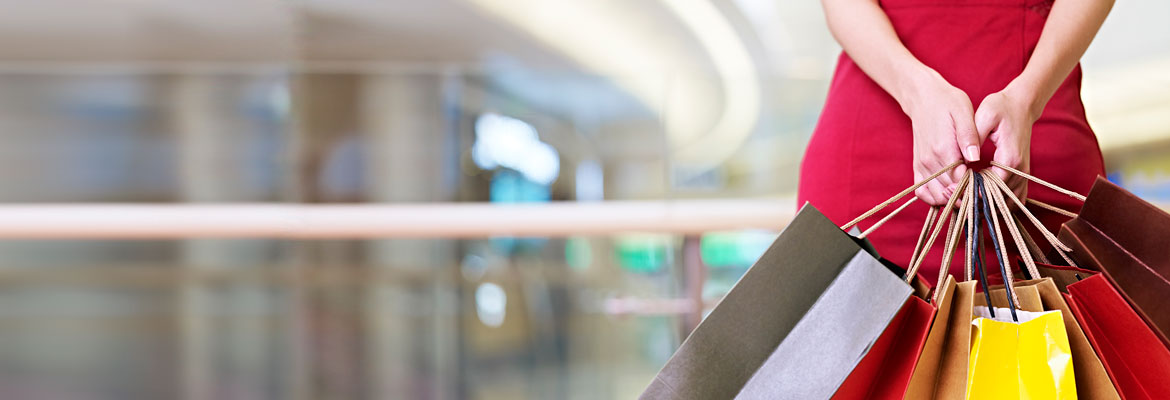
{"x":944,"y":132}
{"x":941,"y":114}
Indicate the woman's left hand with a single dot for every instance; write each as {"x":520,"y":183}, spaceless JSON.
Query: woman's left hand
{"x":1006,"y":117}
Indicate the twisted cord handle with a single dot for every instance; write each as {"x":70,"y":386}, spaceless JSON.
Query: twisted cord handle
{"x":898,"y":196}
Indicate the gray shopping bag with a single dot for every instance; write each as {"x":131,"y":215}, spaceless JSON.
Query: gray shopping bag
{"x":795,"y":324}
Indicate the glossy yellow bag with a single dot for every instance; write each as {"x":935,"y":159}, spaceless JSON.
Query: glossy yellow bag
{"x":1029,"y":359}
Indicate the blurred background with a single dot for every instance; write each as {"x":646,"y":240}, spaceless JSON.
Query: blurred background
{"x":406,"y":102}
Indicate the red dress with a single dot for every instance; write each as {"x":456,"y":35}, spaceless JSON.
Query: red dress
{"x":861,"y":151}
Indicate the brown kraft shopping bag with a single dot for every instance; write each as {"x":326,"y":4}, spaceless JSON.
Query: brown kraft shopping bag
{"x":942,"y":368}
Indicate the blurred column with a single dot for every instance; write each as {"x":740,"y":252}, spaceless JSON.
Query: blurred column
{"x":194,"y":123}
{"x":209,"y":134}
{"x":329,"y":355}
{"x":694,"y":277}
{"x":410,"y":127}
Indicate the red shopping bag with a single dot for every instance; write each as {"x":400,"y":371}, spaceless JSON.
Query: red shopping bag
{"x":885,"y":370}
{"x":1135,"y":358}
{"x":1128,"y":240}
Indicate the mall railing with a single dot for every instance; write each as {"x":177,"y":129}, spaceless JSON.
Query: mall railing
{"x":689,"y":218}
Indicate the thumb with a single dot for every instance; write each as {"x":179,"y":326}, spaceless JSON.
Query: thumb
{"x":986,"y":119}
{"x":985,"y":122}
{"x":1005,"y":156}
{"x":968,"y":138}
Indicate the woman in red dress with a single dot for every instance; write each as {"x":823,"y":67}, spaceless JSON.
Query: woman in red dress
{"x":924,"y":83}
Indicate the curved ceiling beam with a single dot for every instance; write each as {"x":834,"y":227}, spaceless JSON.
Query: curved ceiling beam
{"x":705,"y":124}
{"x":740,"y":82}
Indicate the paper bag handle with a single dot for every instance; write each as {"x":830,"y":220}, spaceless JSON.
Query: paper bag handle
{"x":930,"y":217}
{"x":896,"y":197}
{"x":1044,"y":183}
{"x":993,"y":204}
{"x":985,"y":198}
{"x":975,"y":244}
{"x":1032,"y":178}
{"x":1060,"y":247}
{"x":945,"y":215}
{"x":1000,"y":205}
{"x":958,"y":223}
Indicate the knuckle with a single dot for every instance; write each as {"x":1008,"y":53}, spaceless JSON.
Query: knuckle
{"x":942,"y":151}
{"x":1012,"y":160}
{"x":924,"y":195}
{"x":985,"y":116}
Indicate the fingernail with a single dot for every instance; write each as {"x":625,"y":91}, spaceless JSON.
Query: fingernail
{"x":972,"y":153}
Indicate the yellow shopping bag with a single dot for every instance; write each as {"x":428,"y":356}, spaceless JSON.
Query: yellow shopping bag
{"x":1029,"y":359}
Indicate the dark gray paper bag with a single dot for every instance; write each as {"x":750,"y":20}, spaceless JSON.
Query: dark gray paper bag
{"x":795,"y":324}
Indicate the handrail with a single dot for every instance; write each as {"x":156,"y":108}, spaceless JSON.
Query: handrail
{"x":394,"y":220}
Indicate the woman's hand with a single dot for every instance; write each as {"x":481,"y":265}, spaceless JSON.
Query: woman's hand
{"x":1006,"y":117}
{"x":944,"y":132}
{"x":942,"y":116}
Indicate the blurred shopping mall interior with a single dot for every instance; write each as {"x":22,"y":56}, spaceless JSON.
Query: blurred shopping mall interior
{"x":580,"y":103}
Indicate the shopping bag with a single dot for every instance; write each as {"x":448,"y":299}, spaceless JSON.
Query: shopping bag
{"x":794,"y":325}
{"x":1028,"y":358}
{"x":1062,"y":276}
{"x":822,"y":349}
{"x":923,"y":362}
{"x":885,"y":371}
{"x":1028,"y":296}
{"x":887,"y":368}
{"x":1137,"y":361}
{"x":941,"y":370}
{"x":1128,"y":240}
{"x":1092,"y":379}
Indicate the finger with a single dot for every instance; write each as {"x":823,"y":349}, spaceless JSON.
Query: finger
{"x":1006,"y":155}
{"x":967,"y":137}
{"x":1003,"y":175}
{"x":944,"y":181}
{"x":924,"y":194}
{"x":986,"y":119}
{"x":957,"y":175}
{"x":1019,"y":184}
{"x":938,"y":192}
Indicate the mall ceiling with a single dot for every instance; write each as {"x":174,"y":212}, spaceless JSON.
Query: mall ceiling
{"x":709,"y":56}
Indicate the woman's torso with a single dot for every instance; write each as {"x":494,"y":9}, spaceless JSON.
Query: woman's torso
{"x":862,"y":149}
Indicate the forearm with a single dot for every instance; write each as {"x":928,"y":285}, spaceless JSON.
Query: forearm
{"x":864,"y":31}
{"x":1070,"y":27}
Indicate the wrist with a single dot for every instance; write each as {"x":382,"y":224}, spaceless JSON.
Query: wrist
{"x":919,"y":84}
{"x":1027,"y":96}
